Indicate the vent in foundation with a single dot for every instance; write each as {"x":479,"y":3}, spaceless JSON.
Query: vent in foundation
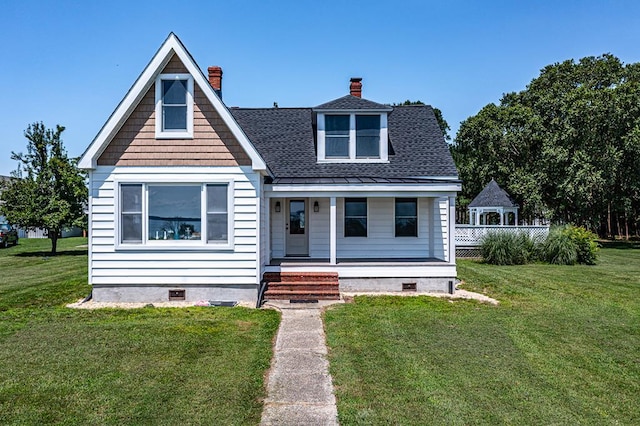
{"x":409,"y":287}
{"x":177,"y":294}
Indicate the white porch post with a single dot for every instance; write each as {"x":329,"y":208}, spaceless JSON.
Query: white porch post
{"x":332,"y":230}
{"x":452,"y":230}
{"x":501,"y":217}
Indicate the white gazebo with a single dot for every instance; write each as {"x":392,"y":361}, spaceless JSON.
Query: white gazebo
{"x":492,"y":199}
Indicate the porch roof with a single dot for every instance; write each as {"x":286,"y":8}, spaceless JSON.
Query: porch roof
{"x":357,"y":180}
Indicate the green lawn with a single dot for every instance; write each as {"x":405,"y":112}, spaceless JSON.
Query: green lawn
{"x":142,"y":366}
{"x":563,"y":347}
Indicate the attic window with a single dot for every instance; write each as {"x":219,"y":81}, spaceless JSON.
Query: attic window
{"x":174,"y":106}
{"x":352,"y":137}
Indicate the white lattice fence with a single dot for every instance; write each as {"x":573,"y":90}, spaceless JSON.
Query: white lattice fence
{"x":471,"y":235}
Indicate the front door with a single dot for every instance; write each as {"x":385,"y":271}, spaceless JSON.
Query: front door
{"x":297,"y":228}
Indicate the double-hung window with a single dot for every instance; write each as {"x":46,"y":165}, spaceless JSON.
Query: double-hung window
{"x":174,"y":106}
{"x":352,"y":137}
{"x":355,"y":217}
{"x":406,"y":217}
{"x":177,"y":215}
{"x":131,"y":213}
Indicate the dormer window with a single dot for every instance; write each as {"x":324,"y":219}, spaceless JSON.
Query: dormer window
{"x":174,"y":106}
{"x":352,"y":137}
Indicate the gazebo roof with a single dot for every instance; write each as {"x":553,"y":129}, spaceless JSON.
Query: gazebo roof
{"x":492,"y":196}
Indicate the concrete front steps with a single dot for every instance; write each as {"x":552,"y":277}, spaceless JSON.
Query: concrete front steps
{"x":301,"y":286}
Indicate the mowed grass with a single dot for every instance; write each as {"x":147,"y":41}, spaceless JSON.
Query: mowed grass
{"x":563,"y":347}
{"x":110,"y":366}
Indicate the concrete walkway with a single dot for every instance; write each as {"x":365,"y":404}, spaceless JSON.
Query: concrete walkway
{"x":299,"y":386}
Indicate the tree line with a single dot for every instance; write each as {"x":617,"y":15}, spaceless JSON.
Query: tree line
{"x":566,"y":148}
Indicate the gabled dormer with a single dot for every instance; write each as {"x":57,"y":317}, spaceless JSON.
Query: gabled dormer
{"x":352,"y":129}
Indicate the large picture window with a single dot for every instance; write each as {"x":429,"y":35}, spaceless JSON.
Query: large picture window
{"x":174,"y":212}
{"x":355,"y":217}
{"x":406,"y":217}
{"x":178,"y":215}
{"x":174,"y":106}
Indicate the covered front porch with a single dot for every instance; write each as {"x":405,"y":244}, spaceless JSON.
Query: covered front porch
{"x":358,"y":229}
{"x":374,"y":240}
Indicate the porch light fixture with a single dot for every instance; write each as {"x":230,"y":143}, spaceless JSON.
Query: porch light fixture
{"x":316,"y":207}
{"x":277,"y":206}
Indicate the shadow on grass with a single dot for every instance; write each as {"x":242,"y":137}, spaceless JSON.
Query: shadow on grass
{"x":624,"y":245}
{"x":48,"y":253}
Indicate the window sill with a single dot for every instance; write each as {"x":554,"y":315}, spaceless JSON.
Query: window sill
{"x":174,"y":247}
{"x":352,"y":160}
{"x":174,"y":135}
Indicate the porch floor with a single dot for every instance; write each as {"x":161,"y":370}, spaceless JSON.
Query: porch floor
{"x":308,"y":261}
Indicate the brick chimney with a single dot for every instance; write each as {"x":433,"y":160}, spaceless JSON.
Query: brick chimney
{"x":355,"y":88}
{"x":215,"y":79}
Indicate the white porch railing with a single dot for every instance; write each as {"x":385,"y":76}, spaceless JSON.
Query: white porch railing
{"x":471,"y":235}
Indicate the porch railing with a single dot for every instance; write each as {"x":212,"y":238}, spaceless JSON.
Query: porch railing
{"x":471,"y":235}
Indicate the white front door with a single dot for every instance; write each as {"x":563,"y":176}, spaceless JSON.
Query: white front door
{"x":297,"y":229}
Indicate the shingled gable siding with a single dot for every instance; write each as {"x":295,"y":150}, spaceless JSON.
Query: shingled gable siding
{"x":203,"y":269}
{"x":213,"y":144}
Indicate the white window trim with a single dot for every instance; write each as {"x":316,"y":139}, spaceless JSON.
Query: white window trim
{"x":384,"y":139}
{"x":417,"y":219}
{"x":169,"y":245}
{"x":165,"y":134}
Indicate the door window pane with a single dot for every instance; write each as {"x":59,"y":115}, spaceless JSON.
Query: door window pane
{"x":355,"y":217}
{"x":174,"y":212}
{"x":406,"y":217}
{"x":367,"y":136}
{"x":296,"y":217}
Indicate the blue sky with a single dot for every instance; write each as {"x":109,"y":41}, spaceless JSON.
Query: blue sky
{"x":71,"y":63}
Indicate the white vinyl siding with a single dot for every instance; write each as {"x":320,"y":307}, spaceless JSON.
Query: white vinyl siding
{"x":173,"y":265}
{"x":380,"y":241}
{"x":277,"y":227}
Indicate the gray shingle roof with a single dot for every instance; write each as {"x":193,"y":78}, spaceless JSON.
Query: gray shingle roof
{"x":350,"y":102}
{"x":492,"y":196}
{"x":286,"y":139}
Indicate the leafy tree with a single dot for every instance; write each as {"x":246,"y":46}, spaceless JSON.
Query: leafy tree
{"x":47,"y":190}
{"x":567,"y":147}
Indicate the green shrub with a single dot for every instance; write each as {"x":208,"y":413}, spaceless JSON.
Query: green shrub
{"x":559,"y":248}
{"x":506,"y":248}
{"x":586,"y":244}
{"x":568,"y":245}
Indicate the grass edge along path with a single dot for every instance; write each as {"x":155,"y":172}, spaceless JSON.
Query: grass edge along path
{"x":561,"y":348}
{"x":110,"y":366}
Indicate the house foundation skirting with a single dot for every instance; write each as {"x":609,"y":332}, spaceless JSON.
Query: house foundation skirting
{"x":420,"y":285}
{"x":161,"y":293}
